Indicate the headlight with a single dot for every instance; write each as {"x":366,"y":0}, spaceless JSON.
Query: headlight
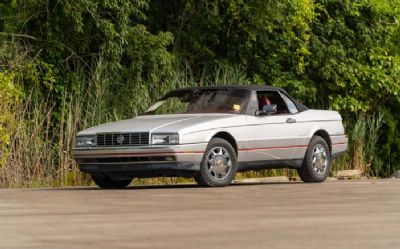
{"x":165,"y":139}
{"x":85,"y":141}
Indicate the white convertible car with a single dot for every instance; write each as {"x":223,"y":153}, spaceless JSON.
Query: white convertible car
{"x":210,"y":133}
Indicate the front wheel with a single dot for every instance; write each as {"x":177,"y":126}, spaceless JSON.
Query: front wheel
{"x":106,"y":182}
{"x":317,"y":161}
{"x":218,"y":167}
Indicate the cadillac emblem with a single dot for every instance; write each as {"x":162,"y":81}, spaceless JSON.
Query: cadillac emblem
{"x":120,"y":139}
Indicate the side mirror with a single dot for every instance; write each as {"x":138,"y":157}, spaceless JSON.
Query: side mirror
{"x":266,"y":110}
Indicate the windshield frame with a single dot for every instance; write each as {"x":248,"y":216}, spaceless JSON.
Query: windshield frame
{"x":243,"y":111}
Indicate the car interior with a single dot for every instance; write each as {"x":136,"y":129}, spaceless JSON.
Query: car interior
{"x":272,"y":98}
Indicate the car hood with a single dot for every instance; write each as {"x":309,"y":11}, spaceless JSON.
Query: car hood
{"x":156,"y":123}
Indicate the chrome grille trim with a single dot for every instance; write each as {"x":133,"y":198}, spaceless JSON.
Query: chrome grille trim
{"x":129,"y":139}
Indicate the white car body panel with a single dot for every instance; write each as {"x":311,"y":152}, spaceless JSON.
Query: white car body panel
{"x":258,"y":138}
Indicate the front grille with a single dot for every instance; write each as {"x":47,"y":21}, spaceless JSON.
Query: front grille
{"x":123,"y":139}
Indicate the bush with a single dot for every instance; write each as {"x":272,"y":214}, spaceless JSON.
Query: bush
{"x":10,"y":96}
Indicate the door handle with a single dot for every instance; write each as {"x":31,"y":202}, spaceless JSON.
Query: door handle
{"x":290,"y":120}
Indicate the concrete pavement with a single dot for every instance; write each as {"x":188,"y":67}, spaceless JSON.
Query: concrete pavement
{"x":340,"y":214}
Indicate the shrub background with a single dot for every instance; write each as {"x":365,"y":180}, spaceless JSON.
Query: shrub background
{"x":66,"y":65}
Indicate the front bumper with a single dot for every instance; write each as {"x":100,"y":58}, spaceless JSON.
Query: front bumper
{"x":150,"y":169}
{"x":144,"y":161}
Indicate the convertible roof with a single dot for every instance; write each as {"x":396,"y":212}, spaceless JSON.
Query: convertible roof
{"x":245,"y":87}
{"x":301,"y":107}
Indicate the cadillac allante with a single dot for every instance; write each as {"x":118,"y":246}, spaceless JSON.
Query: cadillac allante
{"x":210,"y":133}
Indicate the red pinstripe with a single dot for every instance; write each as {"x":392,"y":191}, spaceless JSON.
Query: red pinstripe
{"x":199,"y":151}
{"x":275,"y":148}
{"x":339,"y":143}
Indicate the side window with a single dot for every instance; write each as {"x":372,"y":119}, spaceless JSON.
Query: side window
{"x":272,"y":98}
{"x":291,"y":106}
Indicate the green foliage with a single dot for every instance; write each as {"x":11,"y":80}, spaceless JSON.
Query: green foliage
{"x":364,"y":152}
{"x":329,"y":53}
{"x":10,"y":95}
{"x":269,"y":39}
{"x":77,"y":63}
{"x":70,"y":36}
{"x":350,"y":57}
{"x":389,"y":142}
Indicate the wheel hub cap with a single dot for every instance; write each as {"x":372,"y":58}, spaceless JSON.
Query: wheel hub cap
{"x":219,"y":163}
{"x":319,"y":159}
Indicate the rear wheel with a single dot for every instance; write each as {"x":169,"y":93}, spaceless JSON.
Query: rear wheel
{"x":317,"y":161}
{"x":104,"y":181}
{"x":218,"y":167}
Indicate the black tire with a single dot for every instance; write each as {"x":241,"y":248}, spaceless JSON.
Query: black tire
{"x":106,"y":182}
{"x":210,"y":176}
{"x":318,"y":149}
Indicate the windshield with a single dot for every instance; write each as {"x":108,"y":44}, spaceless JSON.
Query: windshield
{"x":201,"y":101}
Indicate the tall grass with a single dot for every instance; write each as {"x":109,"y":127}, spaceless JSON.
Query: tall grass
{"x":41,"y":146}
{"x":363,"y":152}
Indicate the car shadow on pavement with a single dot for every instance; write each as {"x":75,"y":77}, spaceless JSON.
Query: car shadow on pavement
{"x":170,"y":186}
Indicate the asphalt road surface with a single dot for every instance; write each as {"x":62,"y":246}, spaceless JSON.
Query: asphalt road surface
{"x":341,"y":214}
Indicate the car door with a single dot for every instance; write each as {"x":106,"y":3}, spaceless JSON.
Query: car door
{"x":274,"y":136}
